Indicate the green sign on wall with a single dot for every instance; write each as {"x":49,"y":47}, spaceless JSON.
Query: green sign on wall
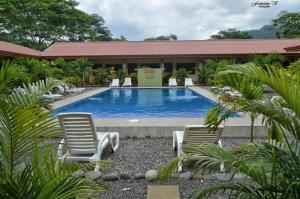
{"x":150,"y":77}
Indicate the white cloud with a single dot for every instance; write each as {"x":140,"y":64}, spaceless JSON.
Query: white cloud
{"x":193,"y":19}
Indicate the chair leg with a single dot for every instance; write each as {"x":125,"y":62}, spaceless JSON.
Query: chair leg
{"x":117,"y":137}
{"x":222,"y":165}
{"x":179,"y":152}
{"x":174,"y":141}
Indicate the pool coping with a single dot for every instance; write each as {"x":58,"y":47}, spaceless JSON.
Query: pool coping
{"x":157,"y":127}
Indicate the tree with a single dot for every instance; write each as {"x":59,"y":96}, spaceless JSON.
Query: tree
{"x":121,"y":38}
{"x":271,"y":167}
{"x":287,"y":24}
{"x":162,"y":37}
{"x":231,"y":33}
{"x":38,"y":23}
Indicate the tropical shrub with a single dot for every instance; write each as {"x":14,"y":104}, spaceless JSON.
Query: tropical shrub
{"x":100,"y":75}
{"x":272,"y":59}
{"x":29,"y":165}
{"x":271,"y":167}
{"x":181,"y":74}
{"x":134,"y":78}
{"x":166,"y":77}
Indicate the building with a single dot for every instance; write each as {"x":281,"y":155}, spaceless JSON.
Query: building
{"x":169,"y":55}
{"x":10,"y":50}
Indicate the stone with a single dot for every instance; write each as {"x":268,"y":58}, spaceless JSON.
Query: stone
{"x":222,"y":177}
{"x":110,"y":177}
{"x":151,"y":175}
{"x":93,"y":175}
{"x":239,"y":176}
{"x":139,"y":176}
{"x":78,"y":173}
{"x":125,"y":176}
{"x":186,"y":175}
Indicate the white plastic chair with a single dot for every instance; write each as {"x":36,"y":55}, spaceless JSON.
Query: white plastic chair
{"x":127,"y":82}
{"x":74,"y":89}
{"x":115,"y":83}
{"x":51,"y":96}
{"x":82,"y":141}
{"x":188,"y":82}
{"x":193,"y":136}
{"x":172,"y":82}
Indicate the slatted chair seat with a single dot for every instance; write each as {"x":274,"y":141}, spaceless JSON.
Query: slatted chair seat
{"x":82,"y":141}
{"x":192,"y":136}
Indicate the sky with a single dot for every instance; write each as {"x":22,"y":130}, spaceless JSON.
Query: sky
{"x":188,"y":19}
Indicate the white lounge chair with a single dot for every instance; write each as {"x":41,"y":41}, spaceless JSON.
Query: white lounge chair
{"x":188,"y":82}
{"x":51,"y":96}
{"x":74,"y":89}
{"x":193,"y":136}
{"x":127,"y":82}
{"x":115,"y":83}
{"x":172,"y":82}
{"x":83,"y":142}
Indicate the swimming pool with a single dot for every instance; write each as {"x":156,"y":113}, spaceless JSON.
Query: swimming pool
{"x":143,"y":103}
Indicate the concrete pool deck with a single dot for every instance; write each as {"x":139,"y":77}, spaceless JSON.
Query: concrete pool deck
{"x":163,"y":127}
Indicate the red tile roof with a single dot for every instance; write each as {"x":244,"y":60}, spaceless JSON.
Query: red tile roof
{"x":168,"y":48}
{"x":293,"y":48}
{"x":14,"y":50}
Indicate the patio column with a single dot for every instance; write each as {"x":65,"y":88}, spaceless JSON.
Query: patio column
{"x":162,"y":64}
{"x":125,"y":68}
{"x":174,"y":68}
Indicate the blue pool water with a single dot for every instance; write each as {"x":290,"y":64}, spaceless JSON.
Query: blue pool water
{"x":143,"y":103}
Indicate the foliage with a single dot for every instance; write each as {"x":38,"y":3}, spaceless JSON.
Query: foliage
{"x":274,"y":59}
{"x":181,"y":74}
{"x":207,"y":72}
{"x":271,"y":167}
{"x":11,"y":75}
{"x":166,"y":77}
{"x":38,"y":23}
{"x":100,"y":75}
{"x":121,"y":38}
{"x":231,"y":33}
{"x":162,"y":37}
{"x":120,"y":74}
{"x":29,"y":167}
{"x":134,"y":78}
{"x":287,"y":24}
{"x":243,"y":89}
{"x":295,"y":66}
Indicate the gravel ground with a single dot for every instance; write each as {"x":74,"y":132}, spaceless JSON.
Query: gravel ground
{"x":136,"y":156}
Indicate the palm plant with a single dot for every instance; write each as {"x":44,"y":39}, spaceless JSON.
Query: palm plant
{"x":272,"y":168}
{"x":245,"y":88}
{"x":11,"y":75}
{"x":29,"y":166}
{"x":274,"y":59}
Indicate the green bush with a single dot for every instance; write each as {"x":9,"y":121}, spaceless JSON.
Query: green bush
{"x":166,"y":77}
{"x":134,"y":78}
{"x":100,"y":75}
{"x":181,"y":74}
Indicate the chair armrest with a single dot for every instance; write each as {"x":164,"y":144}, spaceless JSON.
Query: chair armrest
{"x":220,"y":143}
{"x":60,"y":148}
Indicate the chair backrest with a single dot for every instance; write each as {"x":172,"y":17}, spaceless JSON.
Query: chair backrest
{"x":188,"y":80}
{"x":127,"y":81}
{"x":79,"y":132}
{"x":172,"y":81}
{"x":115,"y":82}
{"x":198,"y":134}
